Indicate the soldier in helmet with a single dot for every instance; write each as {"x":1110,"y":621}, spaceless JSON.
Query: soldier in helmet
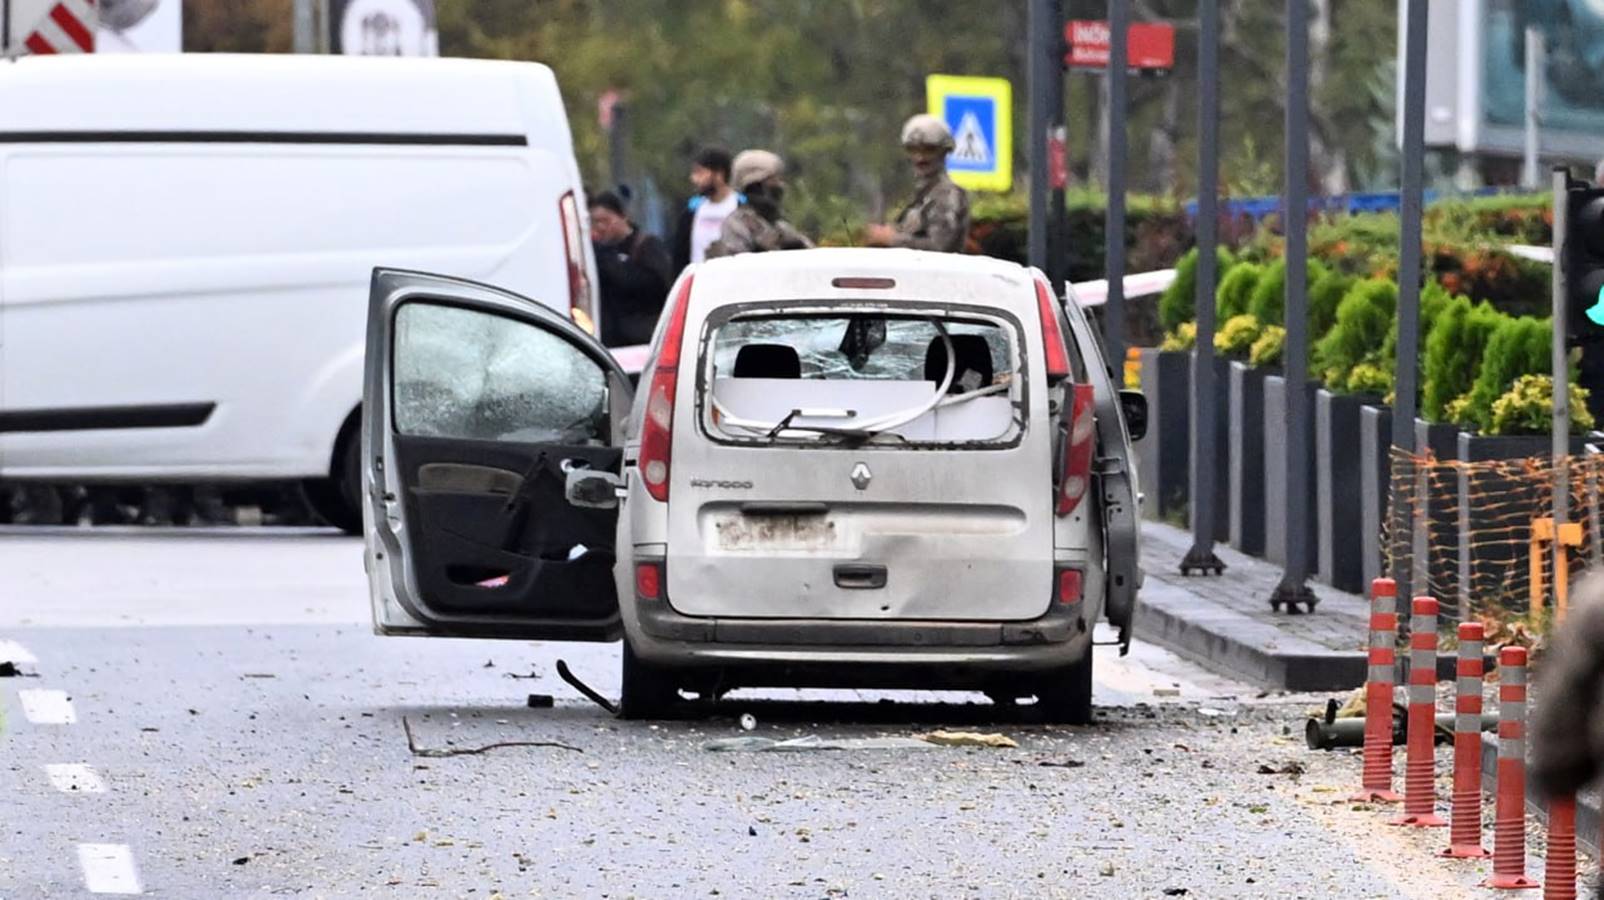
{"x":757,"y":225}
{"x":938,"y":216}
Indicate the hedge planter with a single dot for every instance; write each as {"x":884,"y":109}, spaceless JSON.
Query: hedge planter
{"x":1245,"y":439}
{"x":1276,"y":526}
{"x":1375,"y":449}
{"x":1337,"y":482}
{"x":1162,"y":454}
{"x":1495,"y":511}
{"x":1436,"y":494}
{"x":1220,"y":478}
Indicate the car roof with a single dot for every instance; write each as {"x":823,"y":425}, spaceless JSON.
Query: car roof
{"x":269,"y":93}
{"x":919,"y":275}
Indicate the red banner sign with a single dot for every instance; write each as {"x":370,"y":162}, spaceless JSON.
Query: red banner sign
{"x":1149,"y":45}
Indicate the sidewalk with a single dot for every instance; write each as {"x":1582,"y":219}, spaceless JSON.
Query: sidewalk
{"x":1225,"y":622}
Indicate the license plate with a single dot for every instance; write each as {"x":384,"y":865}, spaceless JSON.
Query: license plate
{"x":792,"y":532}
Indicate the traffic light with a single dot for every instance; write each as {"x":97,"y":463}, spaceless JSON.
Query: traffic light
{"x":1583,"y":258}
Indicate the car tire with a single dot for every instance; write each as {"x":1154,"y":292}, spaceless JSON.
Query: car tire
{"x":648,"y":691}
{"x":338,"y":500}
{"x":1064,"y":695}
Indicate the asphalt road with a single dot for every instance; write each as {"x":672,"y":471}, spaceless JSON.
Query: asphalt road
{"x":208,"y":715}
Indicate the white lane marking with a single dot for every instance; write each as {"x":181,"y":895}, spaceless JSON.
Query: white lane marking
{"x":13,"y":652}
{"x":45,"y":707}
{"x":75,"y":778}
{"x":109,"y":869}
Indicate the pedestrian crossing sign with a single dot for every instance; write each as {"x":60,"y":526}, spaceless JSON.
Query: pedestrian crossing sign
{"x":980,"y":113}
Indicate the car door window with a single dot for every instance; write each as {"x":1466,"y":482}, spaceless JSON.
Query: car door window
{"x":464,"y":373}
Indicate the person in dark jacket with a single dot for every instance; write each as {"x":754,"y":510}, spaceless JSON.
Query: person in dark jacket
{"x":1566,"y":736}
{"x":633,"y":271}
{"x":705,"y":213}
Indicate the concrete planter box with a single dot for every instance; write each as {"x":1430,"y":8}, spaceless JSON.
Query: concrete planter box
{"x":1245,"y":443}
{"x":1375,"y":448}
{"x":1435,"y":550}
{"x":1276,"y":526}
{"x":1220,"y":478}
{"x":1163,"y":453}
{"x":1494,"y":513}
{"x":1337,"y":460}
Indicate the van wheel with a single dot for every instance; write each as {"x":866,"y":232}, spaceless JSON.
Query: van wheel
{"x":338,"y":500}
{"x":1064,"y":695}
{"x":648,"y":691}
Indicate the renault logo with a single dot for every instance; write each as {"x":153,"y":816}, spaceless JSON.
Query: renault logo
{"x":861,"y":476}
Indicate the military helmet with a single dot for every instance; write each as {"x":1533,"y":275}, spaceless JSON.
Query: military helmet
{"x":753,"y":166}
{"x":925,"y":130}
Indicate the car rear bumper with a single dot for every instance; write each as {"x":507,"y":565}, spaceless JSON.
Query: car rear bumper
{"x":666,"y":637}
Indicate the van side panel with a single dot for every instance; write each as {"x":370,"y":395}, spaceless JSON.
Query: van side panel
{"x":146,"y":275}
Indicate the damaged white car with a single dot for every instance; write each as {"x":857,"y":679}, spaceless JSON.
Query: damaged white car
{"x":865,"y":468}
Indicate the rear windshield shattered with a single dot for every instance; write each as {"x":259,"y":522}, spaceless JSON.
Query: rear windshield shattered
{"x":856,"y":378}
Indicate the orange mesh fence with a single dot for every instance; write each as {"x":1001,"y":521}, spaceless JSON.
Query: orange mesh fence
{"x":1467,"y":531}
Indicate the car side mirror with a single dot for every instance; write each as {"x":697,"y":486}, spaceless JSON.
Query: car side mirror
{"x":1134,"y":406}
{"x":592,"y":489}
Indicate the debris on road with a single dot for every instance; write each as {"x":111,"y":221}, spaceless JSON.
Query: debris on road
{"x":541,"y":701}
{"x":1287,"y":768}
{"x":814,"y":742}
{"x":583,"y":688}
{"x":748,"y":721}
{"x":968,"y":739}
{"x":9,"y":669}
{"x":433,"y":753}
{"x":1061,"y":764}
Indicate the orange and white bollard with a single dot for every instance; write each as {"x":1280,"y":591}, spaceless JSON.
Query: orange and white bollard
{"x":1559,"y":872}
{"x":1378,"y":693}
{"x":1509,"y":822}
{"x":1464,"y":840}
{"x":1420,"y":762}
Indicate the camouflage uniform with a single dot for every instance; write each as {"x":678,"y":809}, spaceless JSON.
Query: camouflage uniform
{"x":747,"y":231}
{"x":937,"y":218}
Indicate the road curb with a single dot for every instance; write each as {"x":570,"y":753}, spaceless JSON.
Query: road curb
{"x":1237,"y":645}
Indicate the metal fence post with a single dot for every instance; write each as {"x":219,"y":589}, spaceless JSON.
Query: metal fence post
{"x":1037,"y":75}
{"x":1205,"y":469}
{"x":1293,"y":590}
{"x":1114,"y":259}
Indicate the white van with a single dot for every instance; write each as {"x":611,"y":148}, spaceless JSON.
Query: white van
{"x":186,"y":244}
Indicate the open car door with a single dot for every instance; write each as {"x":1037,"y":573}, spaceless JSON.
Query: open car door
{"x":476,"y":405}
{"x":1116,"y":477}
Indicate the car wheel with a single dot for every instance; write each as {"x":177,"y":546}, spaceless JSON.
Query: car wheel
{"x":1064,"y":695}
{"x":648,"y":691}
{"x":338,"y":500}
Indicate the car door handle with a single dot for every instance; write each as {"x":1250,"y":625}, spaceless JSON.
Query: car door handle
{"x":860,"y":577}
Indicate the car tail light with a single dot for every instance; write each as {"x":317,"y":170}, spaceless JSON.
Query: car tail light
{"x":1069,"y":586}
{"x":657,"y":434}
{"x":1076,"y":477}
{"x":649,"y":581}
{"x":1051,"y":334}
{"x":579,"y":298}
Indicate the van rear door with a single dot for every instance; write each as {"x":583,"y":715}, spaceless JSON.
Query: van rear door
{"x":477,"y":405}
{"x":862,"y":461}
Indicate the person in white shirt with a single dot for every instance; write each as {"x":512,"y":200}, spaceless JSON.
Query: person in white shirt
{"x":704,"y":215}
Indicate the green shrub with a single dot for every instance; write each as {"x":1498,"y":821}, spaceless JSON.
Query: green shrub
{"x":1359,"y":334}
{"x":1179,"y":300}
{"x":1527,"y":408}
{"x":1267,"y":350}
{"x":1235,"y":338}
{"x":1457,"y":410}
{"x":1369,"y":378}
{"x":1453,"y":353}
{"x":1183,"y":338}
{"x":1518,"y":347}
{"x":1236,"y":288}
{"x":1268,"y":302}
{"x":1324,"y":295}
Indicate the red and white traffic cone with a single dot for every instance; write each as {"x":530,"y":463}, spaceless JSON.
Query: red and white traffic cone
{"x":1420,"y":800}
{"x":1377,"y":785}
{"x":1464,"y":841}
{"x":1559,"y":872}
{"x":1509,"y":822}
